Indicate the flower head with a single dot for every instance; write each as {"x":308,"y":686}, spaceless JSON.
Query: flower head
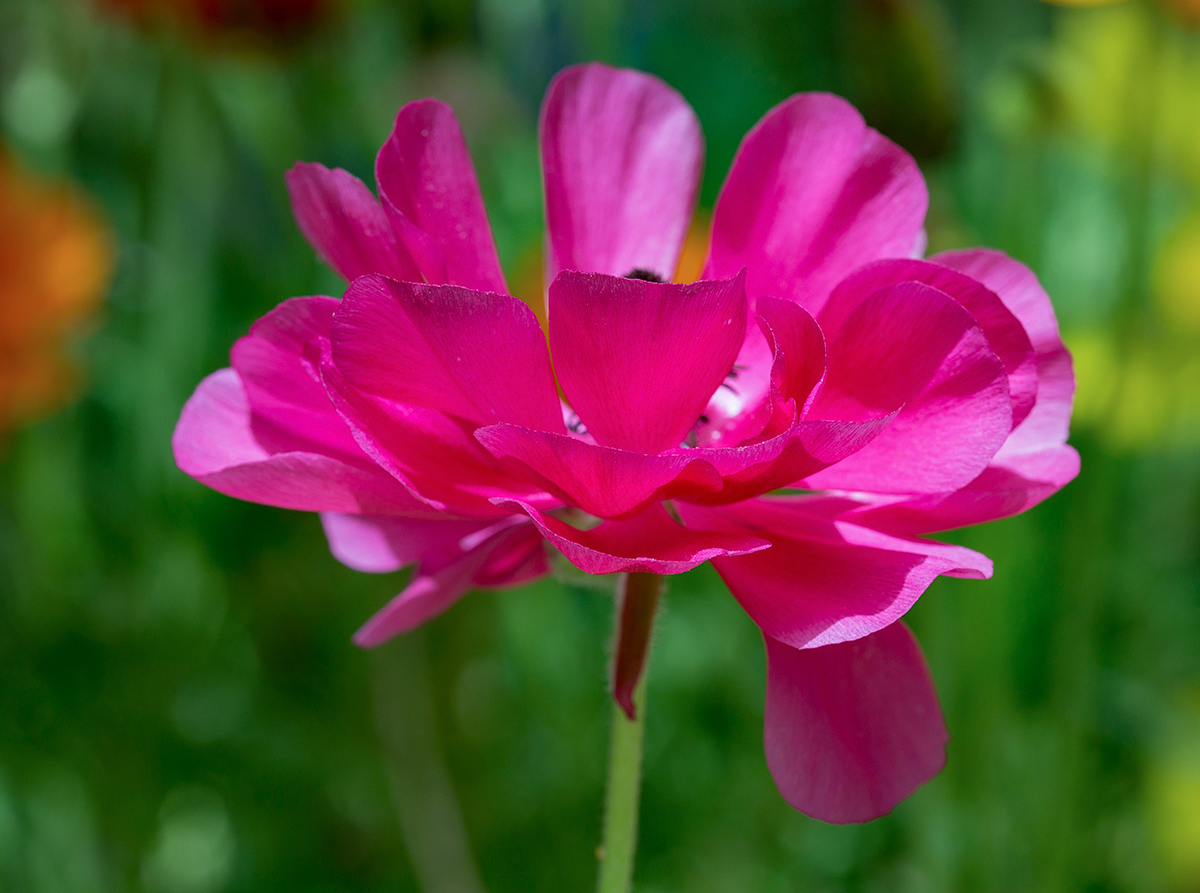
{"x":425,"y":418}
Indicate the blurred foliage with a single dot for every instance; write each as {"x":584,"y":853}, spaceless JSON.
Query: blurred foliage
{"x":180,"y":708}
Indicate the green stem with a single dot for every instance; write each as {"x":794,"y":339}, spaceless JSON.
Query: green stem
{"x":638,"y":600}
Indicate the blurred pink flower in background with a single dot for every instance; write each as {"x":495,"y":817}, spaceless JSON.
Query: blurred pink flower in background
{"x":424,"y":417}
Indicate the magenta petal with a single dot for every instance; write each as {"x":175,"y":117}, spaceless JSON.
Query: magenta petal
{"x":477,"y":355}
{"x":812,"y":195}
{"x":341,"y":219}
{"x":647,"y":543}
{"x":912,"y":346}
{"x":427,"y":185}
{"x":621,"y":159}
{"x":506,"y":553}
{"x":798,"y":345}
{"x":1004,"y":331}
{"x":852,"y":729}
{"x":827,"y":580}
{"x":214,"y":443}
{"x":290,"y":409}
{"x":602,"y":481}
{"x":380,"y":545}
{"x":1049,"y":422}
{"x":639,"y":360}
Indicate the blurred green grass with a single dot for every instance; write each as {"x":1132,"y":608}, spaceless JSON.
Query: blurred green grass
{"x":180,"y":707}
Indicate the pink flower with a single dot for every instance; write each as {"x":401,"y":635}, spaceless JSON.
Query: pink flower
{"x":420,"y":414}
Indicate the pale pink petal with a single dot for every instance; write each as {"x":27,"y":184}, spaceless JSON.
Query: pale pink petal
{"x":290,"y":409}
{"x":1004,"y":331}
{"x":639,"y":360}
{"x":647,"y":543}
{"x":433,"y":454}
{"x":504,"y":554}
{"x":477,"y":355}
{"x":428,"y":187}
{"x":1049,"y":422}
{"x":345,"y":224}
{"x":621,"y":159}
{"x":911,"y":346}
{"x":380,"y":545}
{"x":812,"y":195}
{"x":214,"y":443}
{"x":852,"y":729}
{"x":602,"y":481}
{"x":826,"y":580}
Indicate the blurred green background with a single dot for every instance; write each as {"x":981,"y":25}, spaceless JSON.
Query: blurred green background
{"x":181,"y":710}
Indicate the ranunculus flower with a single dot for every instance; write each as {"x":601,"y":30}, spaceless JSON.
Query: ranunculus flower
{"x":421,"y":414}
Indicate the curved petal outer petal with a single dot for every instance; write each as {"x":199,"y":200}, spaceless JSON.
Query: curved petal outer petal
{"x":430,"y":453}
{"x":910,"y":345}
{"x":290,"y":410}
{"x":1004,"y":331}
{"x":647,"y":543}
{"x":1005,"y":488}
{"x":1049,"y":422}
{"x":213,"y":443}
{"x":602,"y":481}
{"x":380,"y":545}
{"x":439,"y":585}
{"x":798,"y":344}
{"x":345,"y":224}
{"x":621,"y":159}
{"x":827,"y":580}
{"x":639,"y":360}
{"x":812,"y":195}
{"x":428,"y":187}
{"x":850,"y":730}
{"x":476,"y":355}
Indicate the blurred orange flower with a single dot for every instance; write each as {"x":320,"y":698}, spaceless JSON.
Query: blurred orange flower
{"x":55,"y":261}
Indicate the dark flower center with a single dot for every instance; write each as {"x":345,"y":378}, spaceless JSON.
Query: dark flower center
{"x":644,"y":275}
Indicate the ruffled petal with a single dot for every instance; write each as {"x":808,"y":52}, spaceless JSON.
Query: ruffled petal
{"x":477,"y":355}
{"x":290,"y":410}
{"x":602,"y":481}
{"x":341,"y":219}
{"x":215,"y":444}
{"x":1049,"y":422}
{"x":380,"y":545}
{"x":639,"y":360}
{"x":912,"y":346}
{"x":428,"y":187}
{"x":827,"y":580}
{"x":621,"y":159}
{"x":812,"y":195}
{"x":647,"y":543}
{"x":852,"y":729}
{"x":1004,"y":331}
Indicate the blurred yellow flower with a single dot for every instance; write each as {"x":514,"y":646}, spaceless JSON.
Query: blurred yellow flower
{"x":55,"y":261}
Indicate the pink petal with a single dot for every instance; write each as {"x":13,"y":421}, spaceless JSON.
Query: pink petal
{"x":380,"y":545}
{"x":1049,"y":422}
{"x":647,"y":543}
{"x":602,"y":481}
{"x":827,"y":580}
{"x":214,"y":443}
{"x":852,"y":729}
{"x":431,"y":453}
{"x":1004,"y":331}
{"x":911,"y":345}
{"x":1005,"y":488}
{"x":503,"y":554}
{"x":341,"y":219}
{"x":639,"y":360}
{"x":621,"y":159}
{"x":290,"y":409}
{"x":812,"y":195}
{"x":798,"y":346}
{"x":428,"y":187}
{"x":476,"y":355}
